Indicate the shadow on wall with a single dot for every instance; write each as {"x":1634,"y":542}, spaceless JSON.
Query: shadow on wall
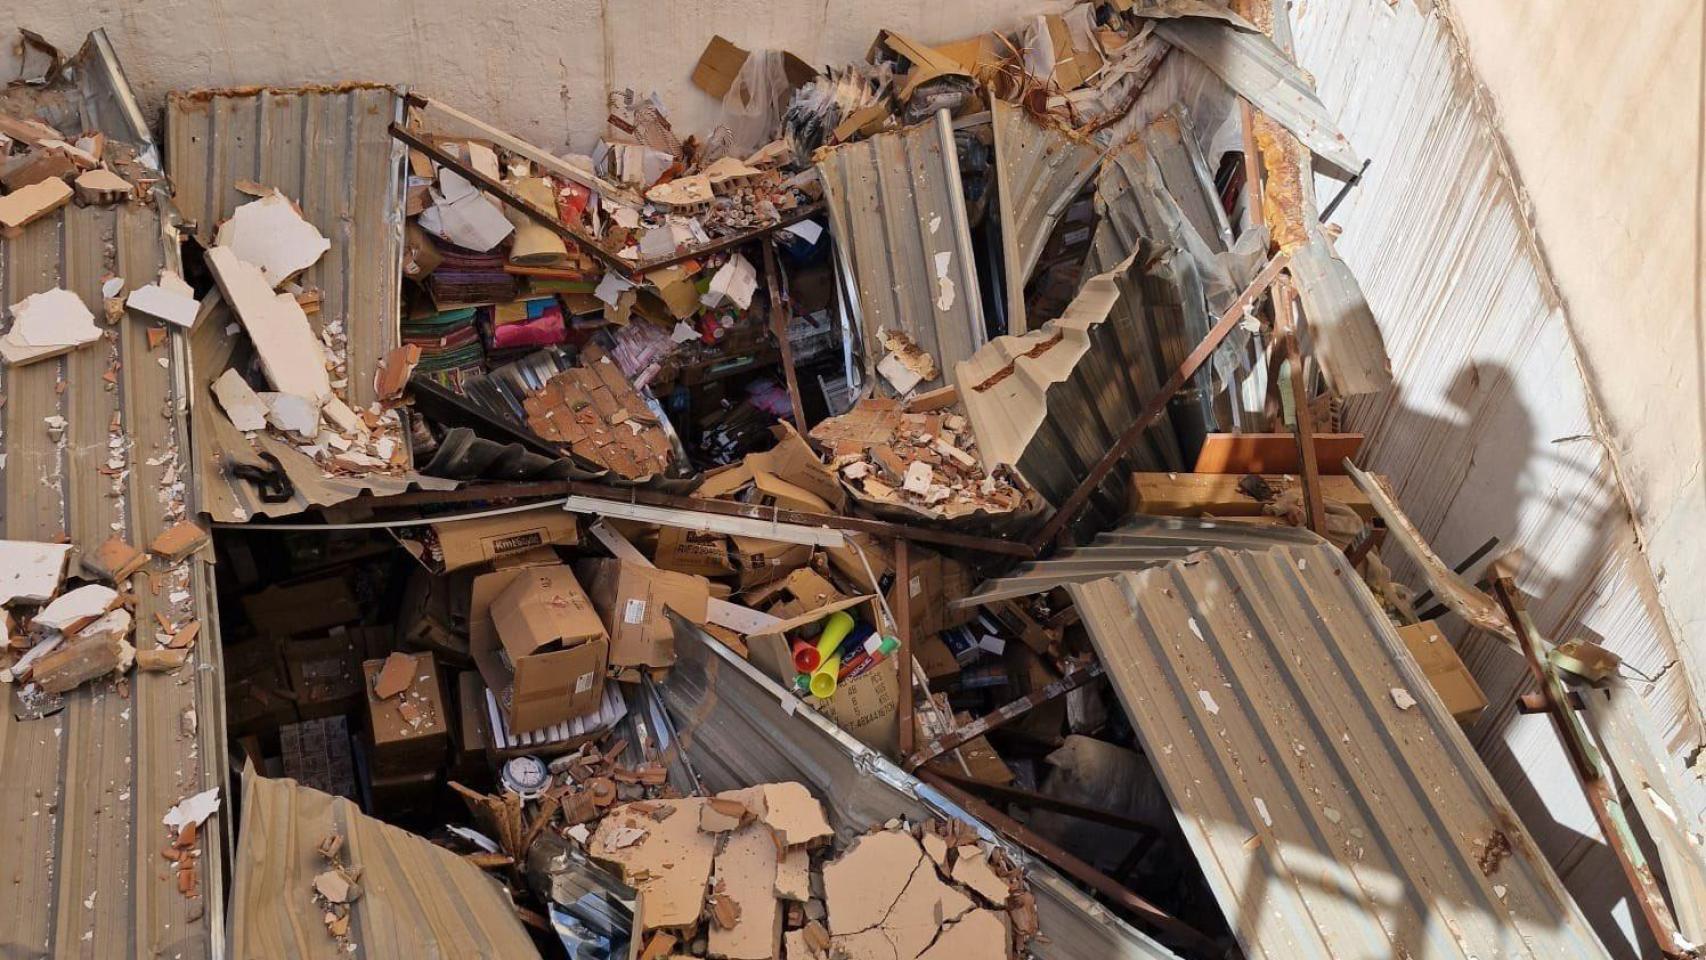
{"x":1498,"y":480}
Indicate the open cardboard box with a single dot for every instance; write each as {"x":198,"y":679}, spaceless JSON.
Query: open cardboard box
{"x":630,"y":599}
{"x":540,"y":679}
{"x":866,"y":706}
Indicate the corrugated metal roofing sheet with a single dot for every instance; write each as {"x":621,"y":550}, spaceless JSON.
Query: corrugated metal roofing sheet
{"x":417,"y":899}
{"x":83,"y":790}
{"x":1038,"y":172}
{"x":1050,"y":403}
{"x":737,"y":727}
{"x":899,"y":221}
{"x":1330,"y":821}
{"x":329,"y":149}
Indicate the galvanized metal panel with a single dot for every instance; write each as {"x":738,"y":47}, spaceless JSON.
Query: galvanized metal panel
{"x":737,"y":727}
{"x":1051,"y":403}
{"x":84,"y":789}
{"x":1038,"y":172}
{"x":330,"y":150}
{"x":896,"y":211}
{"x":1329,"y":820}
{"x":417,"y":899}
{"x":1261,"y":73}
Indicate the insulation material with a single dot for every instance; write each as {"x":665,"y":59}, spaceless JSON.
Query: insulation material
{"x":897,"y":211}
{"x":416,"y":899}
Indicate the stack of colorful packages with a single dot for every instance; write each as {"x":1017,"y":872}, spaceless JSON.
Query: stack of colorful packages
{"x":518,"y":328}
{"x":451,"y":350}
{"x":466,"y":277}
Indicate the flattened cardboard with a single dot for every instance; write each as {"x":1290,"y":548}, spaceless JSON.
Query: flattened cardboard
{"x":631,"y":598}
{"x":793,"y":460}
{"x":772,"y":490}
{"x":468,"y":542}
{"x":720,"y":64}
{"x":542,"y":609}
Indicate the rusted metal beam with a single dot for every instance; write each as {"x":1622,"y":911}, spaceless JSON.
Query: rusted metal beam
{"x":1167,"y":928}
{"x":1595,"y":775}
{"x":779,"y":329}
{"x":1042,"y":801}
{"x":1063,"y":517}
{"x":903,"y":631}
{"x":959,"y":736}
{"x":1287,"y":323}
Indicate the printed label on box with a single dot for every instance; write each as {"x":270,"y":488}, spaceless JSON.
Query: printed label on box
{"x":634,"y":612}
{"x":583,"y":684}
{"x":917,"y":586}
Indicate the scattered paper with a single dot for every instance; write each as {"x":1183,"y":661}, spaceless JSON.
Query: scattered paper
{"x":734,"y":283}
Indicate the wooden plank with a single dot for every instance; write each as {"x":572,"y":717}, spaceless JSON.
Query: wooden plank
{"x":1242,"y":453}
{"x":1217,"y":494}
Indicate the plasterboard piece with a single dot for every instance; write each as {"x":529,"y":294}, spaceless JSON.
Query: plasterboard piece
{"x":243,"y":407}
{"x":166,"y":301}
{"x":31,"y":572}
{"x":29,"y":204}
{"x":74,"y":605}
{"x":291,"y":356}
{"x":48,"y":324}
{"x":271,"y":234}
{"x":746,"y":873}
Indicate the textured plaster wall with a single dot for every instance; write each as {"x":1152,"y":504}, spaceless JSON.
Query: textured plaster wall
{"x":539,"y":68}
{"x":1603,"y":109}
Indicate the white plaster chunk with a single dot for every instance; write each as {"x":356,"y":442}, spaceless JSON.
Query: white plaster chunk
{"x":291,"y":356}
{"x":171,"y":300}
{"x":47,"y":324}
{"x":270,"y":234}
{"x":74,"y":605}
{"x":293,"y":414}
{"x":31,"y":572}
{"x":242,"y":405}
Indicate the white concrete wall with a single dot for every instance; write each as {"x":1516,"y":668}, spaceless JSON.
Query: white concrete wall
{"x":539,"y":68}
{"x":1603,"y":110}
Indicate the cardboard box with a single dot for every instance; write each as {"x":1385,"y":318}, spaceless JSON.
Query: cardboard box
{"x":758,"y":561}
{"x":325,"y":674}
{"x":288,"y":610}
{"x":544,"y":609}
{"x":721,"y":63}
{"x":868,"y":707}
{"x":696,"y":552}
{"x":398,"y":746}
{"x":258,"y":698}
{"x":1452,"y":680}
{"x":542,"y":688}
{"x":468,"y":542}
{"x":426,"y":621}
{"x":470,"y":739}
{"x":769,"y":650}
{"x":631,"y":599}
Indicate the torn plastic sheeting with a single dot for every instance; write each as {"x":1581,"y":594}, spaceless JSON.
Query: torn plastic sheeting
{"x":896,"y":210}
{"x":737,"y":727}
{"x":1261,"y":73}
{"x":1039,"y":170}
{"x":1328,"y":820}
